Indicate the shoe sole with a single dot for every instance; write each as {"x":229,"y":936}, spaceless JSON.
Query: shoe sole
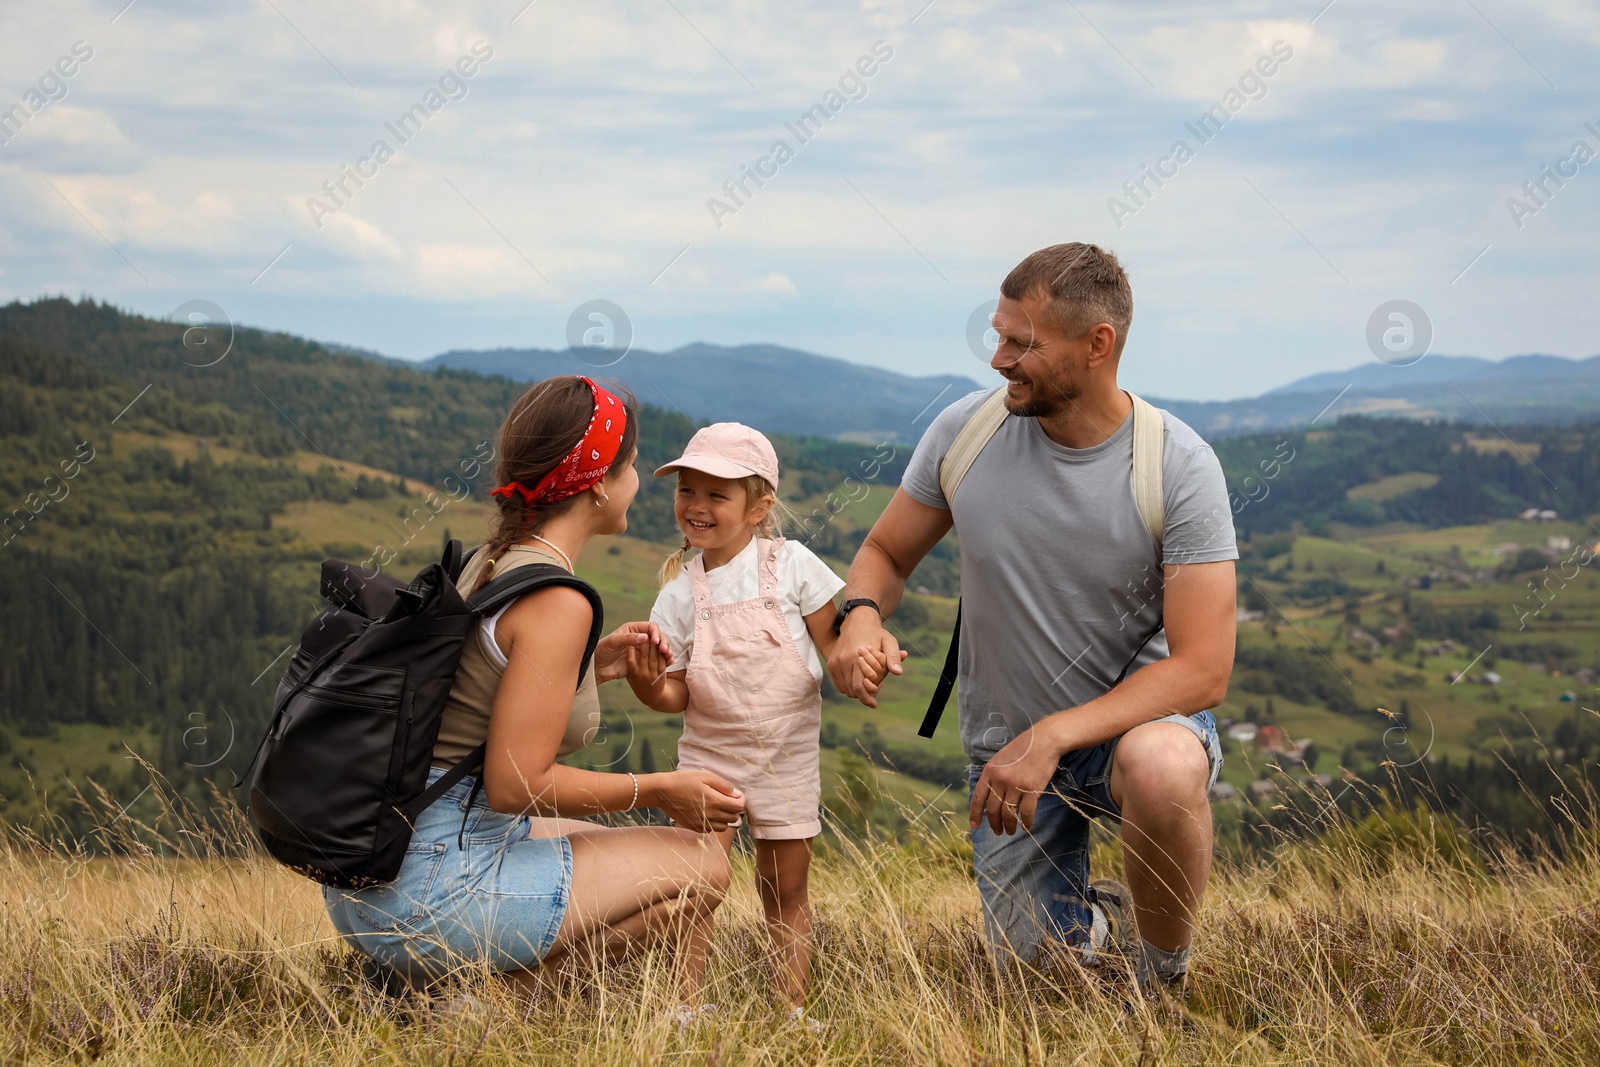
{"x":1116,"y":903}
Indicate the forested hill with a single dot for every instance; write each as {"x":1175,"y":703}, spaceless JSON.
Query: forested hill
{"x":167,"y":493}
{"x":1366,"y":472}
{"x":165,"y":506}
{"x":71,"y":367}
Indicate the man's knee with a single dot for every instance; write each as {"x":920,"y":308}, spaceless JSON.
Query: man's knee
{"x":1160,"y":761}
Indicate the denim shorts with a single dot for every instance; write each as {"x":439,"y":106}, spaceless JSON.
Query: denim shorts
{"x":497,"y":898}
{"x":1035,"y":883}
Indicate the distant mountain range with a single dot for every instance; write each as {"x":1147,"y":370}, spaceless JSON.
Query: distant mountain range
{"x":1521,"y":389}
{"x":791,"y":391}
{"x":776,"y":388}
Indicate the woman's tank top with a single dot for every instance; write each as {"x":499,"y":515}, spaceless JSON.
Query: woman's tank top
{"x":465,"y":724}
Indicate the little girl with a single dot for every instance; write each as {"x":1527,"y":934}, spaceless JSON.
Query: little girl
{"x":745,"y":619}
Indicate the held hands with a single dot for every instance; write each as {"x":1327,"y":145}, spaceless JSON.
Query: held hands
{"x":647,"y":663}
{"x":645,"y":666}
{"x":872,"y":664}
{"x":863,"y":656}
{"x":614,"y":655}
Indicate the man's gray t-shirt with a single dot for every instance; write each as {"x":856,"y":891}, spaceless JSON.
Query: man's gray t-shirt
{"x":1060,"y":582}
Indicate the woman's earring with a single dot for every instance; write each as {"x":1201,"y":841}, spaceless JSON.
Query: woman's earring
{"x":602,"y":502}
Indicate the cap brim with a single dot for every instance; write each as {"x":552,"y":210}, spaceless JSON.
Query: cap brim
{"x":715,"y":466}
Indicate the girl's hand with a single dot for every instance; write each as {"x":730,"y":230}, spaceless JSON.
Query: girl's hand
{"x":646,"y":668}
{"x":695,"y":800}
{"x":612,"y":654}
{"x":873,"y":665}
{"x":646,"y":664}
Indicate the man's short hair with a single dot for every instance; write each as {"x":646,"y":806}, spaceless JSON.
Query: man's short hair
{"x":1085,"y":285}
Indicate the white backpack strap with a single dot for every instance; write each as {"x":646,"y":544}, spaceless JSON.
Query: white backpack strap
{"x":983,"y":425}
{"x":1149,"y":442}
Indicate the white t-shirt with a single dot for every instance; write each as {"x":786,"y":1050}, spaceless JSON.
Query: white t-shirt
{"x":805,"y":584}
{"x":487,"y":640}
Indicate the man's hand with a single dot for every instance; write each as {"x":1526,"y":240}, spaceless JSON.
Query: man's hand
{"x":1009,"y":788}
{"x":863,"y":640}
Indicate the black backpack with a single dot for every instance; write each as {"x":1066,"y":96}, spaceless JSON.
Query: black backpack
{"x":342,"y":772}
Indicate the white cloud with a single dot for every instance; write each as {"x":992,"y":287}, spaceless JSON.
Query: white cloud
{"x":363,"y":241}
{"x":592,"y":138}
{"x":68,"y":124}
{"x":772,"y":284}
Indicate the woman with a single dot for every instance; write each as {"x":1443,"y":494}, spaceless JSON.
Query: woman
{"x":499,"y":872}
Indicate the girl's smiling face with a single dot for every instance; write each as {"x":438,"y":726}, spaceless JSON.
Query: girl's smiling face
{"x":716,"y":515}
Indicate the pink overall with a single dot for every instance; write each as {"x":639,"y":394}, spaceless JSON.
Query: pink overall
{"x":755,"y":710}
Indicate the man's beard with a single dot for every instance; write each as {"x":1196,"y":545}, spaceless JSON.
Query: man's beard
{"x":1043,"y":404}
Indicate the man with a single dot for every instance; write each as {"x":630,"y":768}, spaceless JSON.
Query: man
{"x":1063,"y":590}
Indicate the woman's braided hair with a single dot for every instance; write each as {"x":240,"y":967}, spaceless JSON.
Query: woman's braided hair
{"x":544,"y":425}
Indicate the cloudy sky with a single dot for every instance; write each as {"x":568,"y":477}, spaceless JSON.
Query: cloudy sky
{"x":180,"y":160}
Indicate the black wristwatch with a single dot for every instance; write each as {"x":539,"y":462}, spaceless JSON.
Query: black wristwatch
{"x":850,"y":605}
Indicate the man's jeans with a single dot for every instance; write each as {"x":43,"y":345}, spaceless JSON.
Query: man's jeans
{"x":1035,"y":883}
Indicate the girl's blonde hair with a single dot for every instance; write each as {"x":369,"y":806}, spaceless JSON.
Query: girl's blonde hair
{"x":756,"y":490}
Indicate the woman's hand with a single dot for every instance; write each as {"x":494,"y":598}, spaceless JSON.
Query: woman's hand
{"x":611,"y":654}
{"x":694,"y":800}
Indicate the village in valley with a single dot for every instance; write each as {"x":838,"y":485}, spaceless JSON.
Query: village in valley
{"x":1458,"y":642}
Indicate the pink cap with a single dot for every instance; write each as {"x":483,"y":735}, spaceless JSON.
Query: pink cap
{"x":727,"y":450}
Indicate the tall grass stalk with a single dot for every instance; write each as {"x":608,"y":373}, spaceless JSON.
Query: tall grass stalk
{"x":158,"y":942}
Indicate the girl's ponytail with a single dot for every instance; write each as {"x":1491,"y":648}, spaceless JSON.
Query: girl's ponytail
{"x":674,"y":563}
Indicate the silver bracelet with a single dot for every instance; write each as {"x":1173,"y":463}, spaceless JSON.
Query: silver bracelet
{"x":635,"y":799}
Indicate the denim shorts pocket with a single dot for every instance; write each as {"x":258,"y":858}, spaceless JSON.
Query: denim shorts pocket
{"x":1214,"y":755}
{"x":404,"y":901}
{"x":492,"y":830}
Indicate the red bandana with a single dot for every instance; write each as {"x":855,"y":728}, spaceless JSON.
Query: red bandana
{"x":587,"y":463}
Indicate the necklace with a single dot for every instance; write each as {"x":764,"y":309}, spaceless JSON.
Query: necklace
{"x":566,"y":558}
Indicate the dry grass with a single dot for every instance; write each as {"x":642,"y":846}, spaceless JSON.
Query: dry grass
{"x":1329,"y":954}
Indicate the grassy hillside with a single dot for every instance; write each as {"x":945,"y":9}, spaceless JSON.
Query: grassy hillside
{"x":1366,"y":472}
{"x":1385,"y":943}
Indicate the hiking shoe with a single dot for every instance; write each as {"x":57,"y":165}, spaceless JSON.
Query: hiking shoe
{"x":1123,"y":946}
{"x":686,"y":1017}
{"x":798,"y":1019}
{"x":1118,"y":942}
{"x":1175,"y":986}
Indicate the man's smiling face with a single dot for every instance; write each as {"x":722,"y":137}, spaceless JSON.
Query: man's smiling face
{"x":1043,"y":365}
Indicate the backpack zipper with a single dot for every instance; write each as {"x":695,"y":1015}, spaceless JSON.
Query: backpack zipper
{"x":339,"y":696}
